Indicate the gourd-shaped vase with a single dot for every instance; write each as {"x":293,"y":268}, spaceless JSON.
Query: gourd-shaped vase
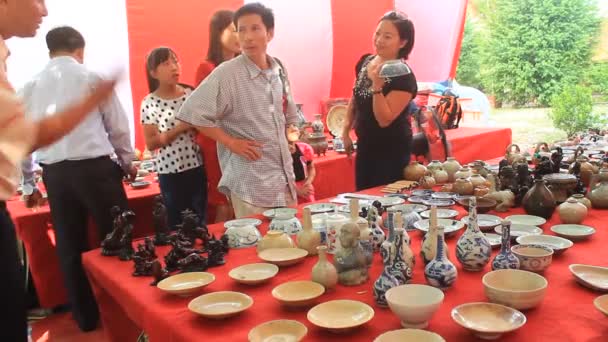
{"x":408,"y":254}
{"x":429,"y":242}
{"x":473,"y":250}
{"x":440,"y":272}
{"x":308,"y":239}
{"x":395,"y":271}
{"x":324,"y":272}
{"x":505,"y":259}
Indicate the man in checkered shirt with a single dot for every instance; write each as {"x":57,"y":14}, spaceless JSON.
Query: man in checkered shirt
{"x":245,"y":105}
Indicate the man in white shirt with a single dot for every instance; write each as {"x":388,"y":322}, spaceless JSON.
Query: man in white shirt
{"x":18,"y":137}
{"x":80,"y":177}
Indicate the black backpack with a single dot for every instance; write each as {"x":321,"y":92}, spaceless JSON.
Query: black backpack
{"x":448,"y":110}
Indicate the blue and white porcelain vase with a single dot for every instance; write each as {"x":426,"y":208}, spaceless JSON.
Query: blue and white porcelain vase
{"x":395,"y":271}
{"x":440,"y":272}
{"x":406,"y":249}
{"x":429,"y":241}
{"x":378,"y":235}
{"x":505,"y":259}
{"x":473,"y":250}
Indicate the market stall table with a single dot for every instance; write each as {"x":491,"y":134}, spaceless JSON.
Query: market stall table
{"x":130,"y":304}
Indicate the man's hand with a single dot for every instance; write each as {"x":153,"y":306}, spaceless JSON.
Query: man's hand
{"x":248,"y":149}
{"x":132,"y":174}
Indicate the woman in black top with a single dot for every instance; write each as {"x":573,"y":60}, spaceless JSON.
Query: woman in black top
{"x":378,"y":107}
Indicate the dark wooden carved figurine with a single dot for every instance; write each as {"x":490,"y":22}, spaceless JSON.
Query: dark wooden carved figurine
{"x":158,"y":272}
{"x":126,"y":250}
{"x":111,"y":246}
{"x":161,"y":226}
{"x":193,"y":263}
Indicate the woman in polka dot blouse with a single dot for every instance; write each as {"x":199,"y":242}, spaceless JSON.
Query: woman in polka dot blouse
{"x":182,"y":178}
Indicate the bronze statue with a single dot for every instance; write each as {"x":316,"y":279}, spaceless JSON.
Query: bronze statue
{"x":190,"y":230}
{"x":126,"y":246}
{"x":161,"y":225}
{"x":216,"y":250}
{"x":111,"y":246}
{"x":193,"y":263}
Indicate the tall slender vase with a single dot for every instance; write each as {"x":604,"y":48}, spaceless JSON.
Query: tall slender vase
{"x":473,"y":250}
{"x":378,"y":235}
{"x":440,"y":272}
{"x":505,"y":259}
{"x":408,"y":254}
{"x":366,"y":236}
{"x":429,"y":242}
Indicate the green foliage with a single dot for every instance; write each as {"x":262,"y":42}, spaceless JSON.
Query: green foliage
{"x":470,"y":56}
{"x":572,"y":110}
{"x":536,"y":47}
{"x":596,"y":78}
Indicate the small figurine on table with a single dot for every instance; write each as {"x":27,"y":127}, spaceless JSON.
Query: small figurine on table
{"x":158,"y":272}
{"x":111,"y":246}
{"x":142,"y":261}
{"x":216,"y":250}
{"x":126,"y":250}
{"x":150,"y":247}
{"x":193,"y":263}
{"x":161,"y":225}
{"x":189,"y":227}
{"x":544,"y":167}
{"x":181,"y":248}
{"x":556,"y":159}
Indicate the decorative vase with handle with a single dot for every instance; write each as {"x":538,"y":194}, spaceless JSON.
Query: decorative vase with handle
{"x":473,"y":250}
{"x":324,"y":272}
{"x":505,"y":259}
{"x":440,"y":272}
{"x":308,"y":239}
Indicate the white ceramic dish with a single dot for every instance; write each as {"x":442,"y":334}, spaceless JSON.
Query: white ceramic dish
{"x":558,"y":244}
{"x":450,"y":226}
{"x":488,"y":321}
{"x":321,"y":207}
{"x":573,"y":231}
{"x":441,"y":213}
{"x":243,"y":222}
{"x":526,"y":219}
{"x":485,"y":221}
{"x":593,"y":277}
{"x":518,"y":230}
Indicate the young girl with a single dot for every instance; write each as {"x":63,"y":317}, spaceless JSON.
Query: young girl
{"x":303,"y":165}
{"x":182,"y":178}
{"x":223,"y":45}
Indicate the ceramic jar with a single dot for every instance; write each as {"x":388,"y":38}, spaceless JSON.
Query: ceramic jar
{"x":414,"y":171}
{"x":349,"y":260}
{"x":286,"y":222}
{"x":451,"y":166}
{"x":324,"y":272}
{"x":582,"y":199}
{"x":464,"y":172}
{"x":473,"y":250}
{"x":427,"y":182}
{"x":587,"y":170}
{"x":317,"y":124}
{"x":463,"y":186}
{"x":275,"y":239}
{"x":308,"y":239}
{"x":477,"y":180}
{"x":505,"y":259}
{"x":334,"y":222}
{"x":440,"y":272}
{"x":434,"y":165}
{"x":572,"y":212}
{"x":242,"y":236}
{"x":440,"y":175}
{"x":539,"y":200}
{"x":598,"y":194}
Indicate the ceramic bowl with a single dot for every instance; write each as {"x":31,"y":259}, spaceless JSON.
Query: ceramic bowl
{"x":340,"y":315}
{"x":534,"y":258}
{"x":242,"y":236}
{"x":414,"y":304}
{"x":483,"y":204}
{"x":286,"y":222}
{"x":283,"y":256}
{"x":254,"y":274}
{"x":298,"y":293}
{"x":403,"y":335}
{"x":601,"y":303}
{"x":279,"y":330}
{"x":450,"y":226}
{"x":243,"y":221}
{"x":222,"y":304}
{"x":515,"y":288}
{"x":518,"y":230}
{"x":575,"y":232}
{"x":556,"y":243}
{"x":271,"y":213}
{"x":593,"y":277}
{"x":441,"y":213}
{"x":317,"y":208}
{"x":186,"y":284}
{"x":403,"y":208}
{"x":488,"y":321}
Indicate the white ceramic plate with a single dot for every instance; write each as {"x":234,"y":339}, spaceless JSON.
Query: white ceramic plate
{"x":439,"y":202}
{"x":271,"y":213}
{"x":390,"y":201}
{"x":518,"y":230}
{"x":573,"y":231}
{"x":527,"y":219}
{"x":484,"y":220}
{"x":441,"y":213}
{"x":443,"y":195}
{"x":450,"y":226}
{"x":418,"y":199}
{"x":335,"y":119}
{"x":556,"y":243}
{"x":321,"y":207}
{"x":593,"y":277}
{"x":243,"y":222}
{"x":410,"y":206}
{"x":495,"y":239}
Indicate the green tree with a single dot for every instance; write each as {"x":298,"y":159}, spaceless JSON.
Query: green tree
{"x":470,"y":56}
{"x":536,"y":47}
{"x":572,"y":110}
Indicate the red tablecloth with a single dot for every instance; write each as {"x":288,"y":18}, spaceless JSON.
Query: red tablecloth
{"x":129,"y":304}
{"x":475,"y":143}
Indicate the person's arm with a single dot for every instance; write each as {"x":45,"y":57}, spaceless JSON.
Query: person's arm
{"x":312,"y":172}
{"x":54,"y":127}
{"x":349,"y":119}
{"x":28,"y":179}
{"x":155,"y":139}
{"x":204,"y":107}
{"x":386,"y":107}
{"x":291,"y":113}
{"x":117,"y":126}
